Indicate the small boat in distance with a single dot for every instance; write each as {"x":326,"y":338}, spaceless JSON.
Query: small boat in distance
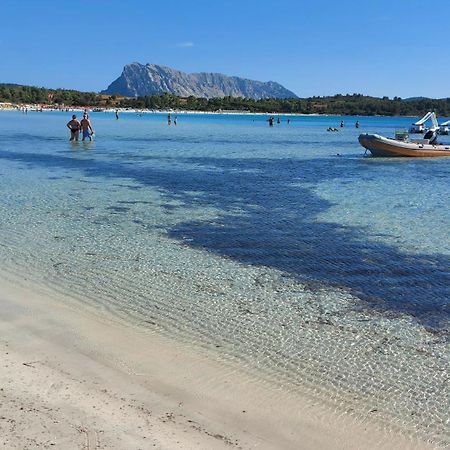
{"x":444,"y":127}
{"x":403,"y":146}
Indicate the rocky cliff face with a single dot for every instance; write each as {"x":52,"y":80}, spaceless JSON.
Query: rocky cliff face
{"x":139,"y":80}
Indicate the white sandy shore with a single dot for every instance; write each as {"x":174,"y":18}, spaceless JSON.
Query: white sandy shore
{"x":33,"y":108}
{"x":72,"y":380}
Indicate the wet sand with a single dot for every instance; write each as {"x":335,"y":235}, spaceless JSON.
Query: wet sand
{"x":73,"y":378}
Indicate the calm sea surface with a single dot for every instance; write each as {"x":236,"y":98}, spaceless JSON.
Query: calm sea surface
{"x":281,"y":249}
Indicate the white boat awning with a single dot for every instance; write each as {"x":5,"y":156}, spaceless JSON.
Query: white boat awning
{"x":445,"y":124}
{"x":430,"y":115}
{"x":423,"y":119}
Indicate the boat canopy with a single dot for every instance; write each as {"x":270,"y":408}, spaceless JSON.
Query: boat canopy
{"x":429,"y":115}
{"x":445,"y":124}
{"x":423,"y":119}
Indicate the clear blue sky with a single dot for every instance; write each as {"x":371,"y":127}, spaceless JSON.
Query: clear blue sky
{"x":374,"y":47}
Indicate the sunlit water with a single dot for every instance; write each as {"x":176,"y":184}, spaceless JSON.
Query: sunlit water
{"x":283,"y":249}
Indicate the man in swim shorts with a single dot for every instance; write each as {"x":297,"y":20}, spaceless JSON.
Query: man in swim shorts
{"x":86,"y":127}
{"x":74,"y":127}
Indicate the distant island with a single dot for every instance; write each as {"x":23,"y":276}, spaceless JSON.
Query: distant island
{"x":354,"y":104}
{"x":138,"y":80}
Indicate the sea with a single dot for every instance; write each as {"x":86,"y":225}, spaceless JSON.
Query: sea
{"x":283,"y":250}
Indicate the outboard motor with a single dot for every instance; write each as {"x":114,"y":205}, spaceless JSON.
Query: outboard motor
{"x":431,"y":135}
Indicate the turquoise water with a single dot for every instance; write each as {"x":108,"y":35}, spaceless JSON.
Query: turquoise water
{"x":281,"y":249}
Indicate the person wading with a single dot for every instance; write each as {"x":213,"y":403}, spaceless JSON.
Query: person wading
{"x":74,"y":127}
{"x":86,"y":127}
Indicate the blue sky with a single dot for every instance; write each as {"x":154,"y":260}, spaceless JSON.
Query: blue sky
{"x":373,"y":47}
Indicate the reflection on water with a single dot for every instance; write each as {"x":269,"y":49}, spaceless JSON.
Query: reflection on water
{"x":325,"y":273}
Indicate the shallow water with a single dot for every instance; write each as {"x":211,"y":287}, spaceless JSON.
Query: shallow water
{"x":282,"y":249}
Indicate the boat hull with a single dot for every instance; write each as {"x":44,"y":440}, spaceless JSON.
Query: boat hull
{"x":385,"y":147}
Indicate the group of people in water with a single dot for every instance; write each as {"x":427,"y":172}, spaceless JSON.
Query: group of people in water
{"x":342,"y":125}
{"x":169,"y":120}
{"x":271,"y":121}
{"x":84,"y":126}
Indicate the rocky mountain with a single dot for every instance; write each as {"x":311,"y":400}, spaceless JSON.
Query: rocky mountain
{"x":149,"y":79}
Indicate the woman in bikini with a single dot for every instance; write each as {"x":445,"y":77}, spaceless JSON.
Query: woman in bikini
{"x":74,"y":127}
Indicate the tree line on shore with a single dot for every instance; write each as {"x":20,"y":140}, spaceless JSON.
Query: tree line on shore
{"x":350,"y":104}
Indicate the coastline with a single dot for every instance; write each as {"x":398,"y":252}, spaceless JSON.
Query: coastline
{"x":91,"y":109}
{"x":74,"y":379}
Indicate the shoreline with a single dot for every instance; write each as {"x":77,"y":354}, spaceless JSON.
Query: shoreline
{"x":71,"y":378}
{"x":36,"y":108}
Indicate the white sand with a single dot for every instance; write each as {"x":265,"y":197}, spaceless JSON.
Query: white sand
{"x":72,"y":380}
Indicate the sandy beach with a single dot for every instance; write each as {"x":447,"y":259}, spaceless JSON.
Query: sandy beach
{"x":74,"y":379}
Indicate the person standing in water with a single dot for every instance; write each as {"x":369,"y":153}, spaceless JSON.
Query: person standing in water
{"x":86,"y":127}
{"x":117,"y":114}
{"x":357,"y":124}
{"x":169,"y":119}
{"x":175,"y":120}
{"x":342,"y":124}
{"x":74,"y":127}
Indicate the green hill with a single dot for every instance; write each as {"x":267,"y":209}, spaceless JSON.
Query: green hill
{"x":355,"y":104}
